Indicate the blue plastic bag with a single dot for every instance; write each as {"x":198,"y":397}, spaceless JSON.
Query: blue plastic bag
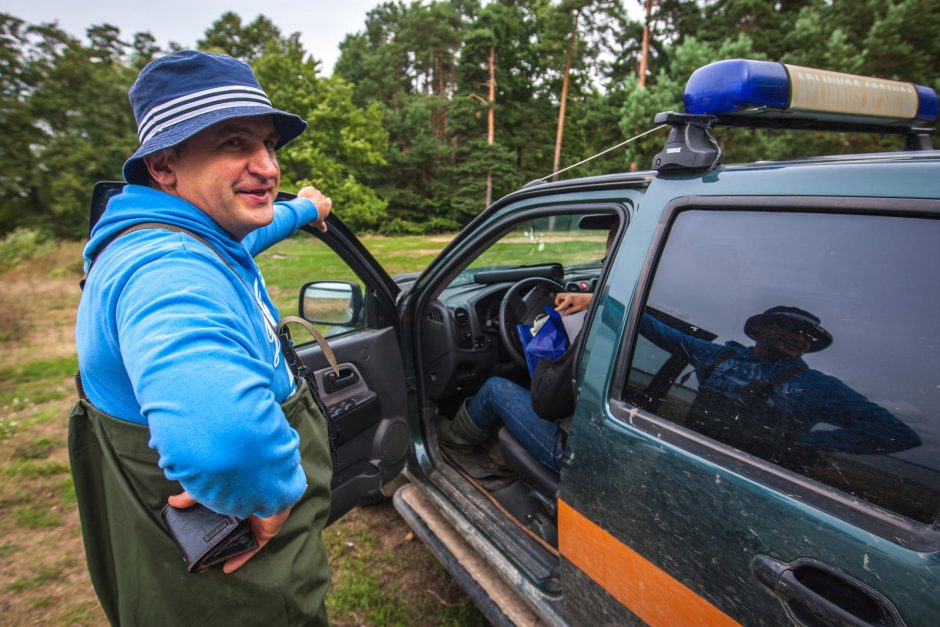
{"x":550,"y":341}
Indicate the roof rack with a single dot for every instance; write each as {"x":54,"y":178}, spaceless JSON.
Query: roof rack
{"x":764,"y":94}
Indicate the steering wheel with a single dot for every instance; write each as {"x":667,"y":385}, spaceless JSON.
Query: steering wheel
{"x":522,"y":303}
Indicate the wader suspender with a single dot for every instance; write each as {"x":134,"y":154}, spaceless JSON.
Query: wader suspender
{"x":294,"y":362}
{"x":755,"y":391}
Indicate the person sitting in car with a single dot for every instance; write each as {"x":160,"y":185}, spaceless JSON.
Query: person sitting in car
{"x":538,"y":419}
{"x":766,"y":400}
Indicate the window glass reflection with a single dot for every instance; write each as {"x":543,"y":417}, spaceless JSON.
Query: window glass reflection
{"x":805,"y":339}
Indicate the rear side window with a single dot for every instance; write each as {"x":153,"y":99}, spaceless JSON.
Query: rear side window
{"x":807,"y":339}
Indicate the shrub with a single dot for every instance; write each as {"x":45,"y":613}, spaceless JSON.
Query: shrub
{"x":401,"y":226}
{"x":20,"y":245}
{"x":440,"y":225}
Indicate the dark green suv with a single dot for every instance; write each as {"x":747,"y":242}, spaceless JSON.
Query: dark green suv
{"x":756,"y":430}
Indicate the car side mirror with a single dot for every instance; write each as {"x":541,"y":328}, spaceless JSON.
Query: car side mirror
{"x":331,"y":302}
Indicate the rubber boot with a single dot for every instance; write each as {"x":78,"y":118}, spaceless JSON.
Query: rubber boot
{"x":461,"y":431}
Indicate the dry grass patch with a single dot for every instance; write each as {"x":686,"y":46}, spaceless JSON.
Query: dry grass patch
{"x":40,"y":297}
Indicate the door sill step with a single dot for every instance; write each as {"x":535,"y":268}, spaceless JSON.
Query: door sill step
{"x":495,"y":599}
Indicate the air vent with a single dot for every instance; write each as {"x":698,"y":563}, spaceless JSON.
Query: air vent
{"x":435,"y":315}
{"x":461,"y":316}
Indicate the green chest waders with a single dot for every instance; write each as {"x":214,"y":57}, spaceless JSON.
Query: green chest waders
{"x":136,"y":568}
{"x":138,"y":571}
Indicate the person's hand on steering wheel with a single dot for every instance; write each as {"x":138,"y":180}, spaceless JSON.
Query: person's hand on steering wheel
{"x":567,"y":303}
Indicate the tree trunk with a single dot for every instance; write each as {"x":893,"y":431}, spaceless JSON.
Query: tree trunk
{"x":440,"y":113}
{"x":564,"y":97}
{"x":490,"y":122}
{"x":644,"y":54}
{"x":644,"y":50}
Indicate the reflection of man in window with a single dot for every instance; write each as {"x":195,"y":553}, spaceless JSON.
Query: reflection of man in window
{"x":765,"y":400}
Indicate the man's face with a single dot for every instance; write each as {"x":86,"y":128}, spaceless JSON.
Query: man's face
{"x":230,"y":171}
{"x":774,"y":341}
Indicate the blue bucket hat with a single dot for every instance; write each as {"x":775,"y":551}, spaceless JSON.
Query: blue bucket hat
{"x":181,"y":94}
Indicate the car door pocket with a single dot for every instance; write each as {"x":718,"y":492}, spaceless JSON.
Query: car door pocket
{"x":814,"y":593}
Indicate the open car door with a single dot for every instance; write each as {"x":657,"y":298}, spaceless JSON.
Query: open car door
{"x":367,"y":402}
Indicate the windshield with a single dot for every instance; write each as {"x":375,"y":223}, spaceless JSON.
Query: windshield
{"x":575,"y":241}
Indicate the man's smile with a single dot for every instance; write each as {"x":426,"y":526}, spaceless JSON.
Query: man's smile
{"x":256,"y":194}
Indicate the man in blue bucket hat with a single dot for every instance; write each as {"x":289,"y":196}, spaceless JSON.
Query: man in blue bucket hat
{"x":186,"y":395}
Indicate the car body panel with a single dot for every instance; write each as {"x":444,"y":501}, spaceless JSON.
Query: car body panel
{"x":706,"y":529}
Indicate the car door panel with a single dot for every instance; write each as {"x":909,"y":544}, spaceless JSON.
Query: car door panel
{"x":371,"y":435}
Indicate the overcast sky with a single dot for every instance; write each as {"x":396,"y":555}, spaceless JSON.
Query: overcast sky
{"x":322,"y":23}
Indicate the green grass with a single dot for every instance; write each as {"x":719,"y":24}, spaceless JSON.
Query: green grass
{"x":31,"y":468}
{"x":67,"y":491}
{"x":45,"y":415}
{"x":303,"y":258}
{"x":78,"y":614}
{"x":564,"y":251}
{"x":35,"y":382}
{"x":44,"y":576}
{"x":7,"y":549}
{"x":366,"y":589}
{"x":30,"y":518}
{"x":41,"y":369}
{"x":38,"y":449}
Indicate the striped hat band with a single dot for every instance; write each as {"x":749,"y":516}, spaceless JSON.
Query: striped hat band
{"x":186,"y":107}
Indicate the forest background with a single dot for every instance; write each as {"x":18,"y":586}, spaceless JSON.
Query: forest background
{"x":399,"y":133}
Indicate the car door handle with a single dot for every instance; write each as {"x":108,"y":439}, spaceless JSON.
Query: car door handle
{"x":814,"y":593}
{"x":333,"y":383}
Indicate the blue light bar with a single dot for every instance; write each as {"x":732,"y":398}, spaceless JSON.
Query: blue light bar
{"x":765,"y":88}
{"x":731,"y":86}
{"x":927,"y":103}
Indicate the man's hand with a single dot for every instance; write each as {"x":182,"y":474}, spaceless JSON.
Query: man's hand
{"x":263,"y":528}
{"x":324,"y":205}
{"x":567,"y":303}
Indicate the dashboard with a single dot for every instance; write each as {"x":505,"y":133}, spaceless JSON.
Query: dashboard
{"x":461,"y":345}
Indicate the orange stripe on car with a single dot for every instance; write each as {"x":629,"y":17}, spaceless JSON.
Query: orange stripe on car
{"x":649,"y":592}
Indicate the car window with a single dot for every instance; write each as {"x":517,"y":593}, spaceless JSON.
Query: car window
{"x":806,"y":339}
{"x":574,"y":240}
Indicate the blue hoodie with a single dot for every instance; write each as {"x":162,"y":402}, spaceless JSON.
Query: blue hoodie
{"x":168,"y":337}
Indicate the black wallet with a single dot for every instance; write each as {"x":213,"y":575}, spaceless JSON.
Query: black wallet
{"x":207,"y":538}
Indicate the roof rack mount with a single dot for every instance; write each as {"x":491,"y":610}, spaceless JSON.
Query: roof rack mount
{"x":690,"y":145}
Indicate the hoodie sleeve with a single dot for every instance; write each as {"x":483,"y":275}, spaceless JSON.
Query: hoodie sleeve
{"x":197,"y":372}
{"x":289,"y":216}
{"x":698,"y":352}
